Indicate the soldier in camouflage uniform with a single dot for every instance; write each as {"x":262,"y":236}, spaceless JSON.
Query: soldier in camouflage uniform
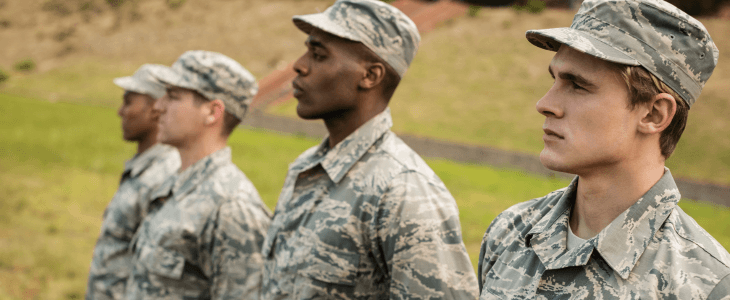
{"x":626,"y":73}
{"x":361,"y":216}
{"x":202,"y":238}
{"x":110,"y":265}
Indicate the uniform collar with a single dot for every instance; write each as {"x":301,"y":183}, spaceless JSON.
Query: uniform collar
{"x":141,"y":162}
{"x":624,"y":240}
{"x":191,"y":177}
{"x":338,"y":160}
{"x":621,"y":243}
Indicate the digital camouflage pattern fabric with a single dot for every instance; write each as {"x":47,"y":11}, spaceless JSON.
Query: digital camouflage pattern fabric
{"x":653,"y":250}
{"x":111,"y":263}
{"x":202,"y":238}
{"x":367,"y":219}
{"x":670,"y":44}
{"x":143,"y":81}
{"x":213,"y":75}
{"x":381,"y":27}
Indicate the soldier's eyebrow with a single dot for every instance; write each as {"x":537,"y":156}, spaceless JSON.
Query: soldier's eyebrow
{"x":580,"y":80}
{"x":172,"y":91}
{"x":312,"y":42}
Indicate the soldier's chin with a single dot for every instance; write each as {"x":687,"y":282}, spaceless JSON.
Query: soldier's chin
{"x":551,"y":161}
{"x":306,"y":115}
{"x":127,"y":136}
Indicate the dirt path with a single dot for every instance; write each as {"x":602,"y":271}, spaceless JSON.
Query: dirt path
{"x":428,"y":147}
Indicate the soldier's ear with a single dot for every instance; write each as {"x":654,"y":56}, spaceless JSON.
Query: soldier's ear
{"x":373,"y":75}
{"x":659,"y":113}
{"x":215,"y":112}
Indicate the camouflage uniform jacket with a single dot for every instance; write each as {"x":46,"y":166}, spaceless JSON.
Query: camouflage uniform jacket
{"x":653,"y":250}
{"x":202,"y":238}
{"x":110,"y":265}
{"x":367,"y":219}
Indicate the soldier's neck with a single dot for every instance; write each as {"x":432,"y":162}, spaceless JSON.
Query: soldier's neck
{"x":146,"y":143}
{"x":340,"y":126}
{"x":602,"y":196}
{"x":195,"y":150}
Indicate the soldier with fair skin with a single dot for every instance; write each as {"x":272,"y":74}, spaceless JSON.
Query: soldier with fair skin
{"x":626,"y":73}
{"x":153,"y":162}
{"x":202,"y":238}
{"x":361,"y":216}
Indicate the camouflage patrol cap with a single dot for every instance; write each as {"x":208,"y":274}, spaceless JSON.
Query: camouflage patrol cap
{"x":143,"y":82}
{"x":215,"y":76}
{"x":381,"y":27}
{"x":669,"y":43}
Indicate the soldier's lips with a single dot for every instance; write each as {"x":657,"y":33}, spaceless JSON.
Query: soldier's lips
{"x":297,"y":89}
{"x":551,"y":135}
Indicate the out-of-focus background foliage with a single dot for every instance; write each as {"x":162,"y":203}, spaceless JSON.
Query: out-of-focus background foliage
{"x":475,"y":80}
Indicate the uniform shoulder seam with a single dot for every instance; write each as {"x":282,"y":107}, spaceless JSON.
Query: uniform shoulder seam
{"x":703,"y":247}
{"x":718,"y":283}
{"x":405,"y":168}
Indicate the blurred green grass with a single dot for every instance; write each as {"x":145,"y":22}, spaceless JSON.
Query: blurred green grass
{"x":60,"y":165}
{"x":80,"y":81}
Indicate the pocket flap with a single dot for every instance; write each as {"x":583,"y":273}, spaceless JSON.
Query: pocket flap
{"x":166,"y":263}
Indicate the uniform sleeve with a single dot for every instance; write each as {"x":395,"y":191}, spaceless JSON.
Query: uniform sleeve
{"x":721,"y":290}
{"x":110,"y":265}
{"x":235,"y":261}
{"x":419,"y":234}
{"x":486,"y":256}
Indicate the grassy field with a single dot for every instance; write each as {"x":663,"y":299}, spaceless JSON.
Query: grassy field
{"x":60,"y":165}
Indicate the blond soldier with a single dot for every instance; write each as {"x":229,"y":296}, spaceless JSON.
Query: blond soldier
{"x":202,"y":238}
{"x":361,"y":216}
{"x":626,"y":73}
{"x":153,"y":163}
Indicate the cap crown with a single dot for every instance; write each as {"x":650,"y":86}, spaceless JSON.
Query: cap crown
{"x":669,"y":43}
{"x":379,"y":26}
{"x":215,"y":76}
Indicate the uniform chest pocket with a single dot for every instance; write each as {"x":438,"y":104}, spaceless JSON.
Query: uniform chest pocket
{"x":331,"y":265}
{"x":166,"y":263}
{"x":513,"y":275}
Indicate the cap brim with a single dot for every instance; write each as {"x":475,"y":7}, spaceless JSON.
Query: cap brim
{"x":551,"y":39}
{"x":307,"y":23}
{"x":127,"y":83}
{"x":132,"y":84}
